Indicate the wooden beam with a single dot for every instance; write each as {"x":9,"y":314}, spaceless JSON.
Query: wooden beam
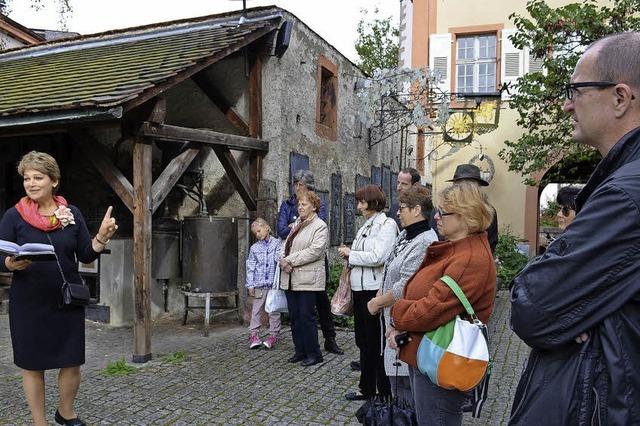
{"x":102,"y":161}
{"x":255,"y":118}
{"x":187,"y":73}
{"x":221,"y":103}
{"x":158,"y":111}
{"x":235,"y":175}
{"x":170,"y":176}
{"x":170,"y":133}
{"x":255,"y":96}
{"x":142,"y":251}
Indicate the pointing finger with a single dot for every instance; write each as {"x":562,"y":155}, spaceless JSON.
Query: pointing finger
{"x":107,"y":215}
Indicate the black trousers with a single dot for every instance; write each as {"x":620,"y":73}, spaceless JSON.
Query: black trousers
{"x":323,"y":305}
{"x":303,"y":323}
{"x":369,"y":341}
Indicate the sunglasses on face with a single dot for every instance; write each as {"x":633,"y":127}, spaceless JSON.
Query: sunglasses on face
{"x":566,"y":210}
{"x":442,"y":213}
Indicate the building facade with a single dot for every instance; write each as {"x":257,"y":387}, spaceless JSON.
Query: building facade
{"x":467,"y":44}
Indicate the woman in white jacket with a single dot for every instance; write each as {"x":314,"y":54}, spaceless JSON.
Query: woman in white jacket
{"x":367,"y":256}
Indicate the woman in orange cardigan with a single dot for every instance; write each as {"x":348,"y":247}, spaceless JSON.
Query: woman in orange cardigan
{"x":463,"y":215}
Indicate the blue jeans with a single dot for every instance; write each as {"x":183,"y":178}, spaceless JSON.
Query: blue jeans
{"x":304,"y":329}
{"x":435,"y":406}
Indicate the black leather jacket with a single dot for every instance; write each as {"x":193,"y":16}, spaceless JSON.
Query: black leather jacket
{"x":588,"y":280}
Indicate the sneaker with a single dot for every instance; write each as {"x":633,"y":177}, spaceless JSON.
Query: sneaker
{"x":254,"y":341}
{"x":270,"y":342}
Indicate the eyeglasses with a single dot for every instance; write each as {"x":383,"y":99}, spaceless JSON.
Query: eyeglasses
{"x":404,"y":206}
{"x":442,"y":213}
{"x":566,"y":210}
{"x":570,"y":89}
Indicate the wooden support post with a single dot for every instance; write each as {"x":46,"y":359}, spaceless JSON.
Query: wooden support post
{"x":142,"y":251}
{"x":255,"y":122}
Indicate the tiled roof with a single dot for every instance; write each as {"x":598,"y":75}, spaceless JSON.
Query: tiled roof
{"x":103,"y":71}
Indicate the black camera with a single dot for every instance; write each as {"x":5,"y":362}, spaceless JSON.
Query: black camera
{"x":402,"y":339}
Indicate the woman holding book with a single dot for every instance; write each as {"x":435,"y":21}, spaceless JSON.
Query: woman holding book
{"x":45,"y":335}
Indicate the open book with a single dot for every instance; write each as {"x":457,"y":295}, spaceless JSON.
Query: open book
{"x":31,"y":251}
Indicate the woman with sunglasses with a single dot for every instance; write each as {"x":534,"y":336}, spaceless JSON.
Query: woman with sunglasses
{"x":463,"y":215}
{"x":566,"y":198}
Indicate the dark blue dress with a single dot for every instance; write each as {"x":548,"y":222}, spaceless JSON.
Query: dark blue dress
{"x":43,"y":335}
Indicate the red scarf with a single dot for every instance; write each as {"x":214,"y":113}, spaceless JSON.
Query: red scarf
{"x":28,"y":210}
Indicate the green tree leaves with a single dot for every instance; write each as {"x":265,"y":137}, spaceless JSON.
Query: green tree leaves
{"x":377,"y":43}
{"x":557,"y":36}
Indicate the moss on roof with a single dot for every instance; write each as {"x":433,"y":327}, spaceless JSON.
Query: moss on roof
{"x":108,"y":72}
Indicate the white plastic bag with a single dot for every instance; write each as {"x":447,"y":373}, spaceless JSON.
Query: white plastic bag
{"x":276,"y":302}
{"x":276,"y":299}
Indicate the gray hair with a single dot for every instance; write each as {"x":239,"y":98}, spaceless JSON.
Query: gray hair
{"x":305,"y":177}
{"x":618,"y":58}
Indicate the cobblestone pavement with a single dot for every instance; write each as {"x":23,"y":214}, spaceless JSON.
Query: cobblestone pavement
{"x":220,"y":381}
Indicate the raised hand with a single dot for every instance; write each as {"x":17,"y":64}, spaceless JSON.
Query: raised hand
{"x":108,"y":226}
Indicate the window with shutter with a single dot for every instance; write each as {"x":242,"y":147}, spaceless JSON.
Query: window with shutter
{"x":440,"y":59}
{"x":513,"y":60}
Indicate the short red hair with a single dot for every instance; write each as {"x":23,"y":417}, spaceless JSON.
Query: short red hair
{"x":312,"y":197}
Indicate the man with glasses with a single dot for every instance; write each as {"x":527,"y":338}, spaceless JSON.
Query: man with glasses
{"x":578,"y":305}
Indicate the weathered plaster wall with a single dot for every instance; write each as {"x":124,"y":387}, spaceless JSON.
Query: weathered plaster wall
{"x":289,"y":105}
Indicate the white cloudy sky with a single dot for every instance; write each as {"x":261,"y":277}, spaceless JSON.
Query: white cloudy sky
{"x":334,"y":20}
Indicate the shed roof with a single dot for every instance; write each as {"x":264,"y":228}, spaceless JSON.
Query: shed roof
{"x":89,"y":75}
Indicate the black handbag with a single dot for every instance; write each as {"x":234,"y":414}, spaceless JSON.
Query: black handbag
{"x":73,"y":294}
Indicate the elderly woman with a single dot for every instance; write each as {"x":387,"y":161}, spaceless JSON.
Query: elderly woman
{"x":368,"y":252}
{"x":302,"y":276}
{"x":303,"y":180}
{"x":45,"y":335}
{"x":406,"y":256}
{"x":463,"y":215}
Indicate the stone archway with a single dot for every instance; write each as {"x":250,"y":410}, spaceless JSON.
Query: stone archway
{"x":573,"y":168}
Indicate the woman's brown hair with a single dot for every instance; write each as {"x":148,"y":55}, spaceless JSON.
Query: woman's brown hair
{"x":373,"y":196}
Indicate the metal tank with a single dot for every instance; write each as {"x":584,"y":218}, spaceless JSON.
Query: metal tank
{"x":210,"y":253}
{"x":165,"y":259}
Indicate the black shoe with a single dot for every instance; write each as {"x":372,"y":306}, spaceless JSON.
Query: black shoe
{"x":355,"y":365}
{"x":296,"y":358}
{"x":69,"y":422}
{"x":330,"y":345}
{"x":355,"y":396}
{"x":311,"y":361}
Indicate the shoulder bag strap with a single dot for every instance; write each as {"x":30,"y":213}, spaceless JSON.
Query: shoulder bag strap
{"x":64,"y":279}
{"x":450,"y":282}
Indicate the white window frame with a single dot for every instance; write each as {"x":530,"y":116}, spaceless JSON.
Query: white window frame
{"x":476,"y":61}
